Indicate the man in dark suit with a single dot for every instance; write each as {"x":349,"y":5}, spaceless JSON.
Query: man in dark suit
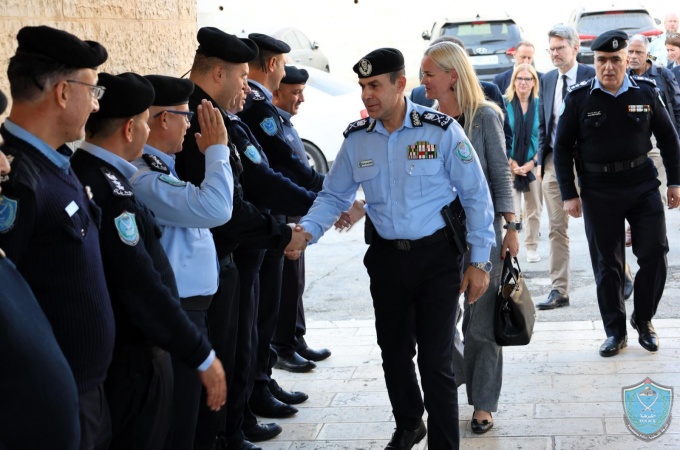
{"x":524,"y":54}
{"x":564,"y":43}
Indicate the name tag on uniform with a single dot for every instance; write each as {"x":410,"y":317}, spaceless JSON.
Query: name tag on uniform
{"x":289,"y":137}
{"x":639,"y":108}
{"x":365,"y":163}
{"x":71,"y":209}
{"x":594,"y":113}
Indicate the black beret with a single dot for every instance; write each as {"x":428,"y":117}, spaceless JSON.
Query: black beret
{"x":295,"y":76}
{"x":127,"y":95}
{"x":215,"y":42}
{"x":59,"y":46}
{"x":382,"y":60}
{"x":269,"y":43}
{"x":170,"y":91}
{"x":610,"y":41}
{"x":3,"y":102}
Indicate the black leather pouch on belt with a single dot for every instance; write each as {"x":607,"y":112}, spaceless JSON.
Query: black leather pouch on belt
{"x":456,"y":230}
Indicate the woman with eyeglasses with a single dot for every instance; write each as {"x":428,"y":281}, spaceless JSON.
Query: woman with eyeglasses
{"x":449,"y":78}
{"x":521,"y":102}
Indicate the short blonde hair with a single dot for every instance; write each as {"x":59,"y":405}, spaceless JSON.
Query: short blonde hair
{"x":510,"y":91}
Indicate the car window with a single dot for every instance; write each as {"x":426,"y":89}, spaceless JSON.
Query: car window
{"x":630,"y":22}
{"x":303,"y":40}
{"x":291,"y":38}
{"x":480,"y":33}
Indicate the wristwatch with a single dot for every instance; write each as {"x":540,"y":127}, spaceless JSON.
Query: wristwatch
{"x":513,"y":226}
{"x":485,"y":266}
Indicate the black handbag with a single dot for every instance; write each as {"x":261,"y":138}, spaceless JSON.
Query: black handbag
{"x":514,"y":314}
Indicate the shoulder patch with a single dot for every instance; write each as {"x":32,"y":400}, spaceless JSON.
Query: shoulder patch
{"x":155,"y":163}
{"x":8,"y":213}
{"x":117,"y":186}
{"x":355,"y":126}
{"x":126,"y":225}
{"x":253,"y":154}
{"x":415,"y":119}
{"x":257,"y":95}
{"x":436,"y":118}
{"x":580,"y":85}
{"x":644,"y":79}
{"x":169,"y":179}
{"x":268,"y":125}
{"x":464,"y":152}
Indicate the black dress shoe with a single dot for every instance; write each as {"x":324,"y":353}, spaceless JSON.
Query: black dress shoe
{"x":294,"y":363}
{"x":264,"y":404}
{"x":241,"y":444}
{"x":648,"y":338}
{"x":612,"y":345}
{"x":262,"y":432}
{"x":314,"y":355}
{"x":627,"y":283}
{"x":292,"y":397}
{"x":555,"y":300}
{"x":405,"y":439}
{"x":481,"y":426}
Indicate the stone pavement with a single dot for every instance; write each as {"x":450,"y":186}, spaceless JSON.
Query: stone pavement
{"x":558,"y":393}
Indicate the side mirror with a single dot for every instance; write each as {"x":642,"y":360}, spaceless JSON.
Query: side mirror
{"x":657,"y":21}
{"x":315,"y":45}
{"x":426,"y":35}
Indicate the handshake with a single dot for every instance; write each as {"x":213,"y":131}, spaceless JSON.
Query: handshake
{"x":298,"y":242}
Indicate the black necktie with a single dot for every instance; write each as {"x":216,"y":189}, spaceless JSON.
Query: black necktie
{"x":564,"y":86}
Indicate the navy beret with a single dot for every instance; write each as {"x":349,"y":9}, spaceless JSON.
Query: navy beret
{"x":265,"y":42}
{"x":59,"y":46}
{"x":170,"y":91}
{"x":127,"y":95}
{"x":382,"y":60}
{"x":3,"y":102}
{"x":215,"y":42}
{"x":295,"y":76}
{"x":610,"y":41}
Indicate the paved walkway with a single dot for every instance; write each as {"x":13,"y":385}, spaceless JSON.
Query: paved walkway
{"x":558,"y":393}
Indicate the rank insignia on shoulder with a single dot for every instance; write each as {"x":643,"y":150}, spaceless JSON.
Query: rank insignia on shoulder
{"x":119,"y":189}
{"x":422,"y":150}
{"x":169,"y":179}
{"x":126,"y":225}
{"x":464,"y":152}
{"x":155,"y":163}
{"x":578,"y":85}
{"x":436,"y":118}
{"x":644,"y":79}
{"x":8,"y":213}
{"x":415,"y":119}
{"x":253,"y":154}
{"x":257,"y":95}
{"x":269,"y":126}
{"x":355,"y":126}
{"x":365,"y":163}
{"x":639,"y":108}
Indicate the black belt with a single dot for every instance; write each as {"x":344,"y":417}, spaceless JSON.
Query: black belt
{"x":127,"y":352}
{"x":196,"y":303}
{"x":226,"y":260}
{"x":407,"y":244}
{"x":619,"y":166}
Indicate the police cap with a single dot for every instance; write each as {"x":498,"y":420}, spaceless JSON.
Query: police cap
{"x":3,"y":102}
{"x":295,"y":76}
{"x":265,"y":42}
{"x":59,"y":46}
{"x":610,"y":41}
{"x":215,"y":42}
{"x":127,"y":95}
{"x":170,"y":91}
{"x":382,"y":60}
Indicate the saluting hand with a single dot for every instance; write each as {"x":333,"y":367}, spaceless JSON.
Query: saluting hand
{"x":215,"y":385}
{"x":213,"y":131}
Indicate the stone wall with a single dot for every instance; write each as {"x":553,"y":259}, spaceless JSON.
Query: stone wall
{"x":143,"y":36}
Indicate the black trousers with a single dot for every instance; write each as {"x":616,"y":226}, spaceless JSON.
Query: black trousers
{"x":415,"y":296}
{"x":604,"y":211}
{"x":222,"y":330}
{"x":95,"y":419}
{"x":291,"y":326}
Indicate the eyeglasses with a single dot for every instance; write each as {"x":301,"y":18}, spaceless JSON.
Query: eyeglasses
{"x":524,"y":80}
{"x":187,"y":114}
{"x":559,"y":49}
{"x":96,"y":91}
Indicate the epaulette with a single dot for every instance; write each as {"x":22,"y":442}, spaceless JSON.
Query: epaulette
{"x":644,"y":79}
{"x":155,"y":163}
{"x":257,"y":95}
{"x":436,"y":118}
{"x":117,"y":186}
{"x":355,"y":126}
{"x":580,"y":85}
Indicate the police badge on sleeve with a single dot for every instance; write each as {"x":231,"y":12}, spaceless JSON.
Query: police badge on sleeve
{"x":126,"y":225}
{"x":647,"y":409}
{"x":269,"y":126}
{"x":8,"y":213}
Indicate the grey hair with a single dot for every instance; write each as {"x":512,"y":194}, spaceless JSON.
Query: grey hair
{"x":639,"y":38}
{"x":565,"y":32}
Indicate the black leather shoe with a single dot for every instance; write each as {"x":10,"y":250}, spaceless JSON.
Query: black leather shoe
{"x":294,"y":363}
{"x":648,"y":339}
{"x":314,"y":355}
{"x":292,"y":397}
{"x":264,"y":404}
{"x":223,"y":444}
{"x":262,"y":432}
{"x":627,"y":283}
{"x":612,"y":345}
{"x":481,"y":426}
{"x":405,"y":439}
{"x":555,"y":300}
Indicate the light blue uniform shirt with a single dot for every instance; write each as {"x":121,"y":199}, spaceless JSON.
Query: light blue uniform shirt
{"x":624,"y":87}
{"x":50,"y":153}
{"x":404,"y":197}
{"x":186,"y":212}
{"x":292,"y":136}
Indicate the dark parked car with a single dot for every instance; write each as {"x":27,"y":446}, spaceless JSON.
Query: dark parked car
{"x":489,"y":40}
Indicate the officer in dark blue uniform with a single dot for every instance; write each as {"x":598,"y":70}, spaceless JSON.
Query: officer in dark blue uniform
{"x":220,"y":72}
{"x":605,"y":127}
{"x":140,"y":279}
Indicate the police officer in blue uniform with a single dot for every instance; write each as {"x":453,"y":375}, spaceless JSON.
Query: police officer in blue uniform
{"x":407,"y":158}
{"x":185,"y":214}
{"x":140,"y":279}
{"x":605,"y":127}
{"x":48,"y":225}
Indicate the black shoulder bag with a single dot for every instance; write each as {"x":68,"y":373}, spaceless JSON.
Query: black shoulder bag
{"x":514,"y":314}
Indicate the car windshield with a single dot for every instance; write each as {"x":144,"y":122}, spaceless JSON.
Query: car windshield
{"x":481,"y":33}
{"x":630,"y":22}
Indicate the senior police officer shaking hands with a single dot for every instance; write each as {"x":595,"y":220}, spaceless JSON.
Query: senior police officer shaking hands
{"x":415,"y":275}
{"x":605,"y":125}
